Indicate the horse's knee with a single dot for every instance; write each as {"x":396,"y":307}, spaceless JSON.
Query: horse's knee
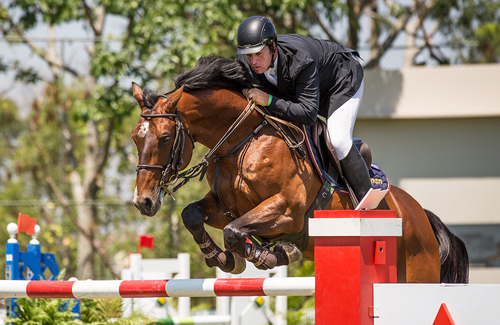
{"x":234,"y":238}
{"x":192,"y":217}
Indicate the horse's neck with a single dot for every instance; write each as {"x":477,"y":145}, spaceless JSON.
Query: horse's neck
{"x":214,"y":113}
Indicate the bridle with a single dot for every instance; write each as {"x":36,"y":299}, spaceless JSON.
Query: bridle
{"x":176,"y":158}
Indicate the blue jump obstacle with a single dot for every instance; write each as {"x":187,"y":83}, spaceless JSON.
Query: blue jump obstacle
{"x":29,"y":265}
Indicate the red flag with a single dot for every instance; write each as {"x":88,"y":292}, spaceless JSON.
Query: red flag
{"x":146,"y":242}
{"x":26,"y":224}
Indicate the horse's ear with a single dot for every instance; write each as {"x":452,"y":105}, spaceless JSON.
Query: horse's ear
{"x":170,"y":102}
{"x":175,"y":96}
{"x":137,"y":92}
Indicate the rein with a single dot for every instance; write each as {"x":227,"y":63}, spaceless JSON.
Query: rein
{"x":275,"y":123}
{"x":177,"y":153}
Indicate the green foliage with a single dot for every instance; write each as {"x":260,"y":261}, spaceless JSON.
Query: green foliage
{"x":301,"y":309}
{"x":471,"y":27}
{"x":43,"y":311}
{"x":396,"y":9}
{"x":10,"y":124}
{"x":108,"y":311}
{"x":488,"y":39}
{"x":39,"y":311}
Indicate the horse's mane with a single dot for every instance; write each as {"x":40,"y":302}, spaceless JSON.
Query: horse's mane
{"x":212,"y":71}
{"x":215,"y":71}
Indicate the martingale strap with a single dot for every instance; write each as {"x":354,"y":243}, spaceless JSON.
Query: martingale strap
{"x":273,"y":121}
{"x":218,"y":160}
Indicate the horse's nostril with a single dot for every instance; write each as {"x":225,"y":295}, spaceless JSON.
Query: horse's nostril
{"x":148,"y":204}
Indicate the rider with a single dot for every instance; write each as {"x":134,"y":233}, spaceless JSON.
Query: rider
{"x":303,"y":77}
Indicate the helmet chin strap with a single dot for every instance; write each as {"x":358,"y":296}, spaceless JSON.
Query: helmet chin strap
{"x":273,"y":51}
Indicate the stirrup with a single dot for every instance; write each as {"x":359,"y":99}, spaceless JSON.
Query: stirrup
{"x":372,"y":199}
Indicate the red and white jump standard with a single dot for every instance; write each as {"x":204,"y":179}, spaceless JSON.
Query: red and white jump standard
{"x":353,"y":250}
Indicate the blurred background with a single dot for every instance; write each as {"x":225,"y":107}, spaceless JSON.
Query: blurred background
{"x":430,"y":112}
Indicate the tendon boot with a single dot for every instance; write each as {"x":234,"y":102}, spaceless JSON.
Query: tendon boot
{"x":225,"y":260}
{"x":262,"y":258}
{"x":356,"y":173}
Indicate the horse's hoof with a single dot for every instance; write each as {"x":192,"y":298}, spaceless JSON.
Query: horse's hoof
{"x":230,"y":263}
{"x":290,"y":252}
{"x":240,"y":264}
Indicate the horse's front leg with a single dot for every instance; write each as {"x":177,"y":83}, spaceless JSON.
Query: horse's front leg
{"x":269,"y":219}
{"x":194,"y":216}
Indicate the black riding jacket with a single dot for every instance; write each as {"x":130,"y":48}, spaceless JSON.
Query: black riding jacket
{"x":314,"y":77}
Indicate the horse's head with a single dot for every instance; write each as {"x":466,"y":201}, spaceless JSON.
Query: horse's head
{"x":160,"y":137}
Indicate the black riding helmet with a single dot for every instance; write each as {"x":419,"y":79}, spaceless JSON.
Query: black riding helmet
{"x":254,"y":33}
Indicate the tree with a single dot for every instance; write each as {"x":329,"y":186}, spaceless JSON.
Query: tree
{"x":91,"y":105}
{"x":91,"y":119}
{"x":469,"y":27}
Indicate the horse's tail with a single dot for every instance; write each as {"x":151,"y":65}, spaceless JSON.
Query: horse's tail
{"x":452,"y":251}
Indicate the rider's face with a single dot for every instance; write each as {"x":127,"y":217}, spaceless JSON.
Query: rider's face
{"x":261,"y":60}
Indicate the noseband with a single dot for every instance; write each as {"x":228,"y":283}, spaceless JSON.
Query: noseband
{"x":177,"y":153}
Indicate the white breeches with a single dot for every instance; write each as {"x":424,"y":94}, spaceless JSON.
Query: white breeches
{"x":341,"y":123}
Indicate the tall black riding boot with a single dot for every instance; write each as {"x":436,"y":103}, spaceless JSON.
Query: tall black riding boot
{"x":356,"y":172}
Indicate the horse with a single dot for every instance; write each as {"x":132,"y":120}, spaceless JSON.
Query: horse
{"x":259,"y":186}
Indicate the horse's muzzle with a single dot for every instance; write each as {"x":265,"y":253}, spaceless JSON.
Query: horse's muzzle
{"x":146,"y":205}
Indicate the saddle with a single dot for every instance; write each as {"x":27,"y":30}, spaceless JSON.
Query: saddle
{"x":326,"y":152}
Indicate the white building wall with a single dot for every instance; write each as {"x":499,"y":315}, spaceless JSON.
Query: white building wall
{"x":430,"y":92}
{"x":451,"y":166}
{"x":436,"y":133}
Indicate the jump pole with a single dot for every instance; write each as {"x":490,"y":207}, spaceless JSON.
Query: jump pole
{"x":303,"y":286}
{"x":353,"y":250}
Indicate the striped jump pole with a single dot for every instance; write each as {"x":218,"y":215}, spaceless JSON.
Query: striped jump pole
{"x":303,"y":286}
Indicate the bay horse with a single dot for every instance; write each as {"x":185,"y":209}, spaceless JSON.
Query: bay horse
{"x":258,"y":185}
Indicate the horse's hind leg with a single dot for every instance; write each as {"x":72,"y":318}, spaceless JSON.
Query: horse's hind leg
{"x":194,"y":216}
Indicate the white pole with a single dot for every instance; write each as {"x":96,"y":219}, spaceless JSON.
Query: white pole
{"x":136,"y":266}
{"x":281,"y":301}
{"x":136,"y":269}
{"x":184,"y":309}
{"x":222,"y":303}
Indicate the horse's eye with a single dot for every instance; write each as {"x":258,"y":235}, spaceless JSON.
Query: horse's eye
{"x":165,"y":139}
